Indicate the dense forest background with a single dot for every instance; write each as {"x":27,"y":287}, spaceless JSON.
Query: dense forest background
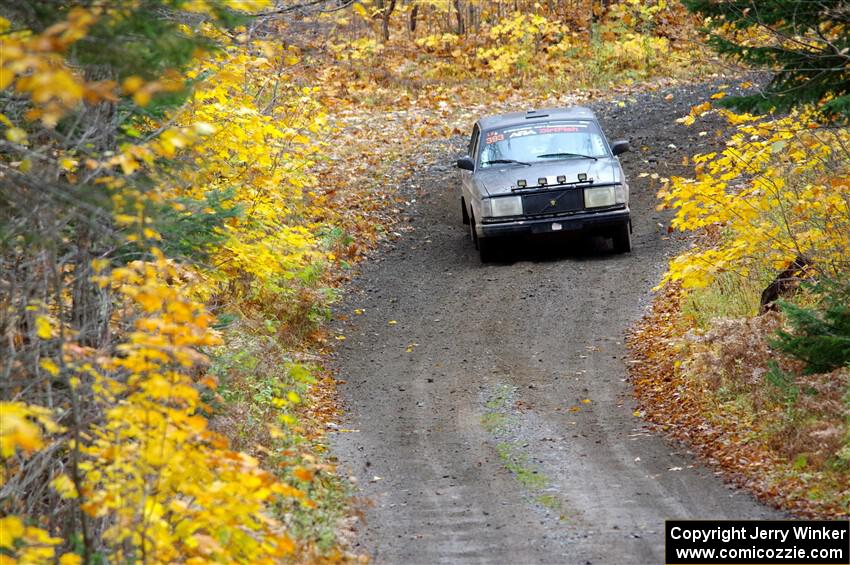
{"x":187,"y":183}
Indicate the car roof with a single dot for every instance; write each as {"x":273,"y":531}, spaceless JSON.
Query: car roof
{"x":536,"y":116}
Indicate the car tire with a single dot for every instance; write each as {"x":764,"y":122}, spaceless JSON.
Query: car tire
{"x":622,"y":239}
{"x":486,"y":247}
{"x":464,"y":215}
{"x":487,"y":250}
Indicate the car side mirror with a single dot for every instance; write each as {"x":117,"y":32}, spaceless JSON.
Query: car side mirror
{"x":466,"y":164}
{"x":620,"y":146}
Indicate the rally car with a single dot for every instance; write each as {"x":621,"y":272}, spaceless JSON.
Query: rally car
{"x":543,"y":172}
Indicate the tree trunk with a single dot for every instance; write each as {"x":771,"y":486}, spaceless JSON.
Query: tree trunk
{"x":90,"y":307}
{"x":459,"y":16}
{"x":413,"y":13}
{"x":386,"y":11}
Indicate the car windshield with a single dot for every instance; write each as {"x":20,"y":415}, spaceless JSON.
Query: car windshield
{"x":542,"y":142}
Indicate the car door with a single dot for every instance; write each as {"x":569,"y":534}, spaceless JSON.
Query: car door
{"x":467,"y":186}
{"x":619,"y":165}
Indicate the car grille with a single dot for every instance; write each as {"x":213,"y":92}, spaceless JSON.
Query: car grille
{"x":553,"y":202}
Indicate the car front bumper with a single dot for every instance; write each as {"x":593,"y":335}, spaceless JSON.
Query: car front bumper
{"x":581,"y":222}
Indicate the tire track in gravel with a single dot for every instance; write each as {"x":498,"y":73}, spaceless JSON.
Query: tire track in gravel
{"x":548,"y":326}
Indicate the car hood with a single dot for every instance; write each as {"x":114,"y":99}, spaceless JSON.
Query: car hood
{"x":500,"y":180}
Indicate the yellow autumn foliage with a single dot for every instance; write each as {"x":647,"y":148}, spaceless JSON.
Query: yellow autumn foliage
{"x":262,"y":149}
{"x":22,"y":427}
{"x":172,"y":489}
{"x":517,"y":40}
{"x":136,"y":465}
{"x":20,"y":543}
{"x":161,"y":485}
{"x":779,"y":190}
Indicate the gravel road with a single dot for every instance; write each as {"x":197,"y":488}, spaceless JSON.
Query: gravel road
{"x":490,"y":419}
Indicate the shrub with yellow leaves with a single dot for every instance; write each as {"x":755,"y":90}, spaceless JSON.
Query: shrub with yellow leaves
{"x":261,"y":148}
{"x":134,"y":204}
{"x":779,"y":190}
{"x":518,"y":40}
{"x":775,"y":198}
{"x":26,"y":544}
{"x":170,"y":488}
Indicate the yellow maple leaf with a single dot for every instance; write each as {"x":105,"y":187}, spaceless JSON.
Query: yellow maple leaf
{"x":49,"y":366}
{"x":65,"y":487}
{"x":43,"y":328}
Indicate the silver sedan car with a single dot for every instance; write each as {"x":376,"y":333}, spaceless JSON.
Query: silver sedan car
{"x":543,"y":172}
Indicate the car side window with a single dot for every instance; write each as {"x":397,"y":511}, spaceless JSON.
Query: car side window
{"x":473,"y":141}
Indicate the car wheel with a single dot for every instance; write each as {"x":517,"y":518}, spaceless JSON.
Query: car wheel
{"x":622,"y":239}
{"x":486,"y":247}
{"x":463,"y":213}
{"x":487,"y":250}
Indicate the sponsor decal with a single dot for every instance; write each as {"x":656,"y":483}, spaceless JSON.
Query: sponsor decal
{"x":522,"y":133}
{"x":560,"y":129}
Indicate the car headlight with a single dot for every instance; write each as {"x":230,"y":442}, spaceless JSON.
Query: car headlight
{"x":506,"y":206}
{"x":621,"y":193}
{"x":599,"y":196}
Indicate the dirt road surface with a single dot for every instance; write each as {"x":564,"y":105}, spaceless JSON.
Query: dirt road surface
{"x":490,"y":416}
